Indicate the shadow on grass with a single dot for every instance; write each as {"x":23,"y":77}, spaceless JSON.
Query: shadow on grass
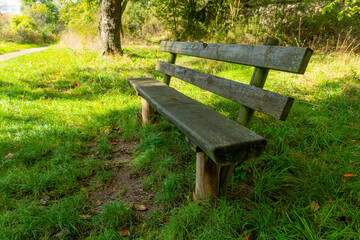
{"x":5,"y":84}
{"x":32,"y":139}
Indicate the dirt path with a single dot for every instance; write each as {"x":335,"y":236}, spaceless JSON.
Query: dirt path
{"x":7,"y":56}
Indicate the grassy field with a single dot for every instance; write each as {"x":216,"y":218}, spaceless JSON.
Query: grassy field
{"x":69,"y":125}
{"x":7,"y":47}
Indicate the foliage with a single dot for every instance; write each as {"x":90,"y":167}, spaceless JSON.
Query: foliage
{"x":299,"y":22}
{"x":25,"y":27}
{"x":23,"y":23}
{"x":43,"y":17}
{"x":45,"y":6}
{"x":196,"y":19}
{"x":136,"y":15}
{"x":80,"y":16}
{"x":37,"y":24}
{"x":348,"y":8}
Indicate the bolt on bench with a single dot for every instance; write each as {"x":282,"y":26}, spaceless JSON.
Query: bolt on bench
{"x":220,"y":142}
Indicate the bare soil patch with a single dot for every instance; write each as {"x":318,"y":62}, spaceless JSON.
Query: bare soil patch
{"x":126,"y":185}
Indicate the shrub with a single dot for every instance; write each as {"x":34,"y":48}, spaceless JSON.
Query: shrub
{"x":25,"y":27}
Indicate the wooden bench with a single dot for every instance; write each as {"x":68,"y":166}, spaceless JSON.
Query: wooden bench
{"x":219,"y":142}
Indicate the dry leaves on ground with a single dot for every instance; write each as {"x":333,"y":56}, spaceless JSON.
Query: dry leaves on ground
{"x":315,"y":206}
{"x":140,"y":207}
{"x":349,"y":175}
{"x":10,"y":155}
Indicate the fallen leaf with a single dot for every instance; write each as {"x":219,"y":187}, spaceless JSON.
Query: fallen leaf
{"x":329,"y":198}
{"x":140,"y":207}
{"x":43,"y":202}
{"x":124,"y":233}
{"x":85,"y":216}
{"x":349,"y":175}
{"x":45,"y":197}
{"x":314,"y":206}
{"x":61,"y":233}
{"x":98,"y":202}
{"x":83,"y":189}
{"x":10,"y":155}
{"x":246,"y":235}
{"x":193,"y":197}
{"x":197,"y":201}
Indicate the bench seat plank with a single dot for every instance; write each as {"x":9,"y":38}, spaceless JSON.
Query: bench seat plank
{"x":288,"y":59}
{"x":273,"y":104}
{"x":223,"y":140}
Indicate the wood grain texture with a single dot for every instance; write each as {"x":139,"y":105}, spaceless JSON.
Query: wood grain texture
{"x":223,"y":140}
{"x":264,"y":101}
{"x":288,"y":59}
{"x":207,"y":177}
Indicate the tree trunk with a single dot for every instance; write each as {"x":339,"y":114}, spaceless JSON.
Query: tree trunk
{"x":110,"y":25}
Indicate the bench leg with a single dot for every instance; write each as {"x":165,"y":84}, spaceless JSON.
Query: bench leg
{"x":147,"y":111}
{"x":207,"y":177}
{"x":225,"y":175}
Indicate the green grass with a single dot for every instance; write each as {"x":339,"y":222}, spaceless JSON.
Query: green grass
{"x":7,"y":47}
{"x":61,"y":109}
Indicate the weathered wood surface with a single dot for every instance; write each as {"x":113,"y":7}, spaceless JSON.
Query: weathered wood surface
{"x":264,"y":101}
{"x":147,"y":112}
{"x":192,"y":145}
{"x":207,"y":177}
{"x":288,"y":59}
{"x":223,"y":140}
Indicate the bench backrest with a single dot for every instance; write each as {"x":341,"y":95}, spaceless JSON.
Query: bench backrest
{"x":262,"y":57}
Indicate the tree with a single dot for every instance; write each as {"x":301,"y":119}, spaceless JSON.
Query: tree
{"x":50,"y":5}
{"x":80,"y":17}
{"x":110,"y":25}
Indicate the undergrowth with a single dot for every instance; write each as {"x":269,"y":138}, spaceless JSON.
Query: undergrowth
{"x":59,"y":106}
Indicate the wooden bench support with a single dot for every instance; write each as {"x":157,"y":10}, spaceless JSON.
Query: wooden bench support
{"x":207,"y":177}
{"x":171,"y":59}
{"x":147,"y":112}
{"x":246,"y":113}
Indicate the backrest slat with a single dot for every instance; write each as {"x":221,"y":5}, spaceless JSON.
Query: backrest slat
{"x":288,"y":59}
{"x":270,"y":103}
